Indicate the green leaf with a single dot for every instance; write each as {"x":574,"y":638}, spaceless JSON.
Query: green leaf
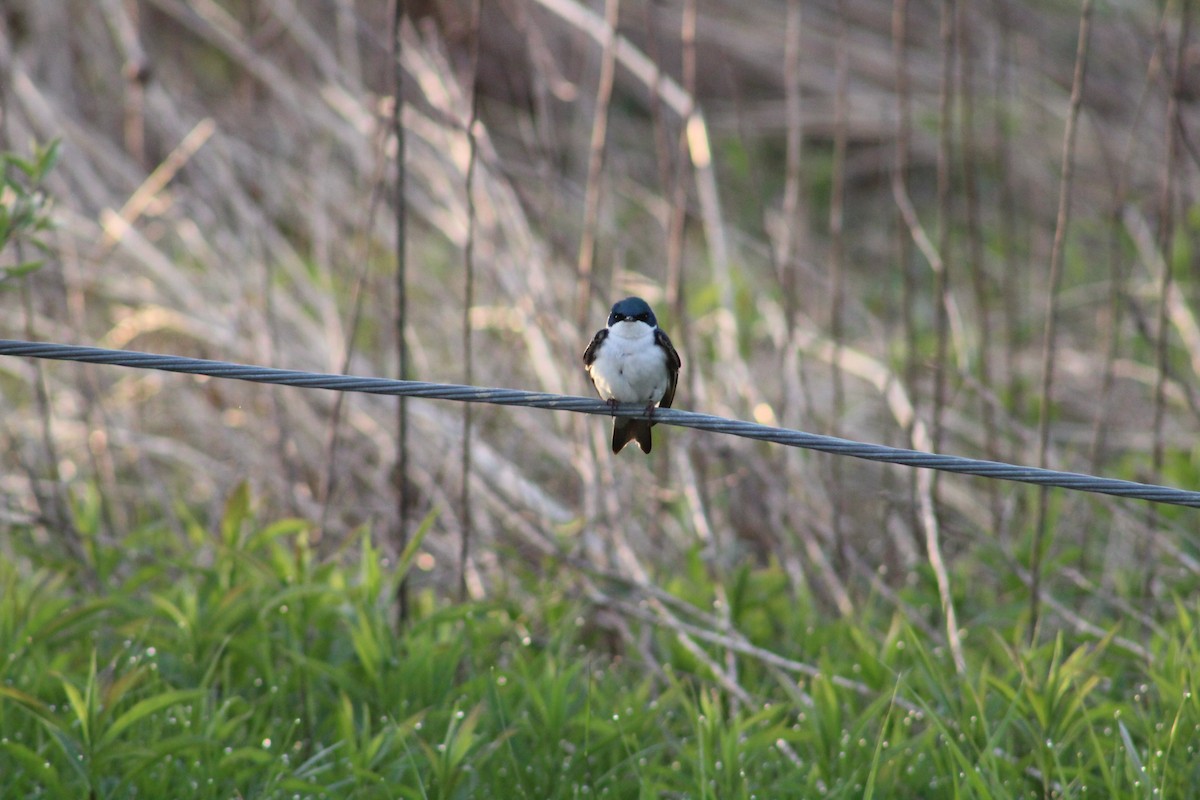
{"x":414,"y":544}
{"x":1131,"y":749}
{"x":279,"y":529}
{"x":27,"y":268}
{"x":28,"y":702}
{"x":74,"y":753}
{"x":145,"y":708}
{"x":36,"y":766}
{"x":172,"y":610}
{"x":79,"y":705}
{"x":28,"y":168}
{"x":237,"y":511}
{"x":47,"y":158}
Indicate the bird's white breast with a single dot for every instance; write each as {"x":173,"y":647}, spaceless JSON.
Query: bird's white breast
{"x":629,"y":366}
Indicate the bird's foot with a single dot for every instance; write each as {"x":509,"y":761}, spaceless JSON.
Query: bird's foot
{"x":613,"y":403}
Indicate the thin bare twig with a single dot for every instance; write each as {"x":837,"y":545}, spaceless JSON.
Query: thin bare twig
{"x":464,"y":551}
{"x":400,"y":209}
{"x":792,"y":228}
{"x":122,"y":19}
{"x":591,"y":202}
{"x":903,"y":240}
{"x":1165,"y":241}
{"x":975,"y":261}
{"x":792,"y":237}
{"x":941,"y":285}
{"x":1054,"y":278}
{"x":1011,"y":288}
{"x":926,"y":486}
{"x":837,"y":265}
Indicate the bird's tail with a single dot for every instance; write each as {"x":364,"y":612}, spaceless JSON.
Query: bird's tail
{"x":629,"y":430}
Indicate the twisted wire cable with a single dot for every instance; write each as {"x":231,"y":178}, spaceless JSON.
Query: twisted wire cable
{"x":666,"y":416}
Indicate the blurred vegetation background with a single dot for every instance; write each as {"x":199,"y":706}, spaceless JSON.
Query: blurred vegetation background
{"x":960,"y":226}
{"x":226,"y":189}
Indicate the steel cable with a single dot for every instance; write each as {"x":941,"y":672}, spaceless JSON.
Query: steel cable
{"x":583,"y":405}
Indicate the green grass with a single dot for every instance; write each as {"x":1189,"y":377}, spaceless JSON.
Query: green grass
{"x":238,"y":664}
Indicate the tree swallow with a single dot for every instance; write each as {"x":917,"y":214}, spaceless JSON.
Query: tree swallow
{"x":633,"y":361}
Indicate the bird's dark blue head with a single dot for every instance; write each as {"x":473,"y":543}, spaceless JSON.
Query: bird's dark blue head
{"x":633,"y":309}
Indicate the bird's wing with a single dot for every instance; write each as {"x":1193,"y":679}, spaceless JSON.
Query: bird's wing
{"x":673,"y":364}
{"x":589,"y":355}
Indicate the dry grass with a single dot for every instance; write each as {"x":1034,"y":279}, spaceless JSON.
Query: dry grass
{"x":222,"y":193}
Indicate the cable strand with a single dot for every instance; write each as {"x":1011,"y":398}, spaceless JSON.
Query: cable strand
{"x":582,"y":405}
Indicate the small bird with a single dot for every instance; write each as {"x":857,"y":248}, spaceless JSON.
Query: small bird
{"x":633,"y":361}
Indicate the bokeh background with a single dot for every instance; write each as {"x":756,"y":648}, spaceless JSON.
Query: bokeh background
{"x":847,"y":214}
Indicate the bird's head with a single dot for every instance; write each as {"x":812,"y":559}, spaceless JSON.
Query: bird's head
{"x":632,"y":309}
